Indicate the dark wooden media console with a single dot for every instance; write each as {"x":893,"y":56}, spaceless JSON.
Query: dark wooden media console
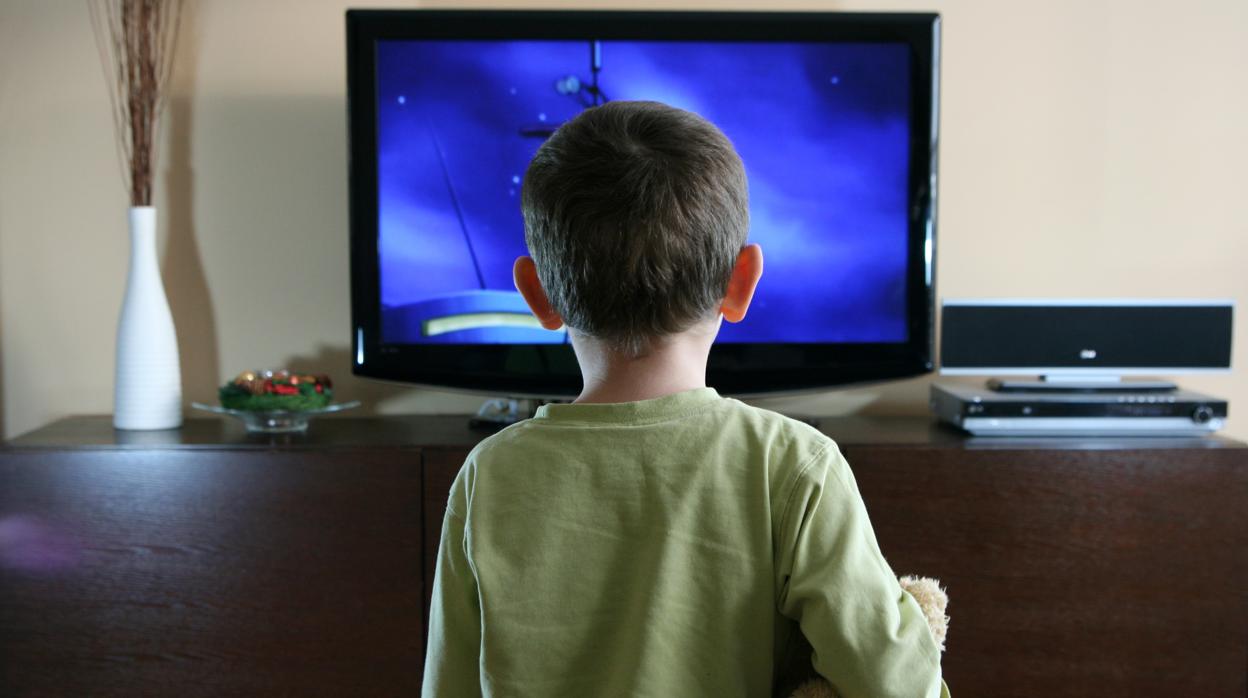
{"x":206,"y":562}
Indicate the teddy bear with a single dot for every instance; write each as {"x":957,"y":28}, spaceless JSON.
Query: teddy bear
{"x":932,"y":599}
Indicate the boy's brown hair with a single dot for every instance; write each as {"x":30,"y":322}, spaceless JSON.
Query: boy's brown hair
{"x":634,"y":213}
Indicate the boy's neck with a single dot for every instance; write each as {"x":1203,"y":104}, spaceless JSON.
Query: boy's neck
{"x":674,"y":365}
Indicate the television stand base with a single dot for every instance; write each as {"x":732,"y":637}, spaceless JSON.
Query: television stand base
{"x":497,"y":413}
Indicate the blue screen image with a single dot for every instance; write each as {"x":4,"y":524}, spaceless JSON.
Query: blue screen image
{"x":823,"y":130}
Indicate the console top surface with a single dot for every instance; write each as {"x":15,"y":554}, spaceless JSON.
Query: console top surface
{"x":451,"y":431}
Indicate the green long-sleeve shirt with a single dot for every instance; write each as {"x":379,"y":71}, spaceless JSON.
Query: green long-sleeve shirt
{"x":670,"y":547}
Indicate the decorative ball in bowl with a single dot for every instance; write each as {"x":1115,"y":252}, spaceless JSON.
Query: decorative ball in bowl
{"x":277,"y":401}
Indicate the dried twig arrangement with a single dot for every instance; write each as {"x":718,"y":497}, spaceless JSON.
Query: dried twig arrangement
{"x":136,"y":39}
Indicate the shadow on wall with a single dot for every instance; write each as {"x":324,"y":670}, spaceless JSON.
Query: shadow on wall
{"x":185,"y":282}
{"x":10,"y":93}
{"x":4,"y":427}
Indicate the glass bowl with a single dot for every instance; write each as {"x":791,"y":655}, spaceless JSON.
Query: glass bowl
{"x":276,"y":421}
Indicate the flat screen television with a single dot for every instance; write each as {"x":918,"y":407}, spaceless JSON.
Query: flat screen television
{"x":833,"y":114}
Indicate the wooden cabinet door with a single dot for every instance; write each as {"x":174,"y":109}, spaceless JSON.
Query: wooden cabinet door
{"x":1074,"y":572}
{"x":195,"y":572}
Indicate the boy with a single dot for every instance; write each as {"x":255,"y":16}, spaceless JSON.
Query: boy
{"x":653,"y":538}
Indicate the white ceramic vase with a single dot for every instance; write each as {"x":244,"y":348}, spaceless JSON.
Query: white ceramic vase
{"x":148,"y":381}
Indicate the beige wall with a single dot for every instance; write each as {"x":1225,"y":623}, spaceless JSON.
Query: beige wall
{"x":1089,"y":149}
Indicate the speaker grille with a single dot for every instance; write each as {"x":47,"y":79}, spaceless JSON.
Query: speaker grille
{"x":1107,"y":337}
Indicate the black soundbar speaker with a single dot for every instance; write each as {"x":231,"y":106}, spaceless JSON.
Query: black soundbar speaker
{"x":1085,"y":337}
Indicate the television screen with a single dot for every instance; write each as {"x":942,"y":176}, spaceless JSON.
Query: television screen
{"x":833,"y":115}
{"x":823,"y":130}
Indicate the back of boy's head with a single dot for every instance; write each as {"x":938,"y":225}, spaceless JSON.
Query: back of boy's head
{"x":634,"y":213}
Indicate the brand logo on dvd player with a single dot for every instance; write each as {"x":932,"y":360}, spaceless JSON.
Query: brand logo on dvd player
{"x":1087,"y":353}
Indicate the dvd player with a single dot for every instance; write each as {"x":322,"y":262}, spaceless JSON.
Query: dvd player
{"x":986,"y":412}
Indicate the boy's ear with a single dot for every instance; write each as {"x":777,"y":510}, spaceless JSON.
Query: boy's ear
{"x":525,"y":274}
{"x":745,"y":275}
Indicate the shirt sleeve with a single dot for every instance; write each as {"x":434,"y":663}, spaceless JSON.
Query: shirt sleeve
{"x":453,"y":651}
{"x":869,"y":637}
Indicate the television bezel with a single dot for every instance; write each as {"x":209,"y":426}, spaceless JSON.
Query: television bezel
{"x":549,"y":370}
